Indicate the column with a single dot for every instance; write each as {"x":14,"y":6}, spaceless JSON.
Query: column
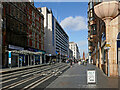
{"x":100,"y":58}
{"x":44,"y":59}
{"x":24,"y":60}
{"x":28,"y":61}
{"x":107,"y":22}
{"x":34,"y":59}
{"x":40,"y":58}
{"x":18,"y":61}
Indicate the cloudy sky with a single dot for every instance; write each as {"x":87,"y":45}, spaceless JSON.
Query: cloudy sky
{"x":73,"y":18}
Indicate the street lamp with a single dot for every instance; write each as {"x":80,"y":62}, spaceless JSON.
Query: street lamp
{"x":1,"y":34}
{"x":60,"y":54}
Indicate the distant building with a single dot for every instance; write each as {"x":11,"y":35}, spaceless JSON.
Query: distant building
{"x":70,"y":54}
{"x":73,"y":46}
{"x":83,"y":55}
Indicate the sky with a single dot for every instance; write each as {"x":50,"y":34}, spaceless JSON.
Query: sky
{"x":72,"y":16}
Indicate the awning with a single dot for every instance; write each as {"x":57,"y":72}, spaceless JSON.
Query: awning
{"x":24,"y":52}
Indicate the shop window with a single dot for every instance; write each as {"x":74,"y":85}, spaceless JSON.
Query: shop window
{"x":12,"y":11}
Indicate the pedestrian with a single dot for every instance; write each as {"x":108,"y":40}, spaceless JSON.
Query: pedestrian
{"x":70,"y":62}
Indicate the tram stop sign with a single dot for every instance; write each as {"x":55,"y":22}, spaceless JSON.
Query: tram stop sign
{"x":91,"y":76}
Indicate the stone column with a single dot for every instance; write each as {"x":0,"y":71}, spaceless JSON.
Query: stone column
{"x":107,"y":23}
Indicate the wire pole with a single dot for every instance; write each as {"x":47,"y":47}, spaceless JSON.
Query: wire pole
{"x":1,"y":34}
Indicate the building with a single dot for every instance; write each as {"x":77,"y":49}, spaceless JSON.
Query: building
{"x":22,"y":35}
{"x":83,"y":55}
{"x":61,"y":41}
{"x":14,"y":31}
{"x":56,"y":39}
{"x":35,"y":33}
{"x":73,"y":46}
{"x":103,"y":35}
{"x":70,"y":54}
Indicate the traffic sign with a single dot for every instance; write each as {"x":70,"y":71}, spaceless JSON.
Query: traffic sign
{"x":107,"y":44}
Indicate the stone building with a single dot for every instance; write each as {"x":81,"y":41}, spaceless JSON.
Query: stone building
{"x":73,"y":46}
{"x":103,"y":30}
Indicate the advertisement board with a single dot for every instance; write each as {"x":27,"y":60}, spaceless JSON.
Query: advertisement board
{"x":9,"y":56}
{"x":91,"y":76}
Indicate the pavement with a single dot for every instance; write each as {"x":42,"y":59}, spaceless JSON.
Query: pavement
{"x":76,"y":77}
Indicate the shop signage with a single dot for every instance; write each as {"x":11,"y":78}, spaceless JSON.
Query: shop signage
{"x":91,"y":77}
{"x":9,"y":56}
{"x":15,"y":47}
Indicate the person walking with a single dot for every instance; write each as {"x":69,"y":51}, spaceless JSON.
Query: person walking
{"x":70,"y":62}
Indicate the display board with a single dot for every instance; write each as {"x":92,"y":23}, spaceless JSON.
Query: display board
{"x":91,"y":76}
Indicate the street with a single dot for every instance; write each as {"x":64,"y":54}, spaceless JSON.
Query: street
{"x":56,"y":76}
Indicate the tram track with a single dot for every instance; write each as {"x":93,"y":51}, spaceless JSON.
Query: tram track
{"x":35,"y":76}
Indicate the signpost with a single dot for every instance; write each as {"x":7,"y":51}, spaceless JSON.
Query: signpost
{"x":91,"y":76}
{"x":107,"y":47}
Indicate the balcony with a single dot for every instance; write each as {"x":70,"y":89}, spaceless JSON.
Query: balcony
{"x":92,"y":22}
{"x":91,"y":47}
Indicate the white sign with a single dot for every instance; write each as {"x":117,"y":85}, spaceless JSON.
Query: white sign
{"x":91,"y":76}
{"x":15,"y":47}
{"x":9,"y":60}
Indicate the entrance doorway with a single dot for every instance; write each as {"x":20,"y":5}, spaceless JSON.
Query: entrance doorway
{"x":119,"y":61}
{"x":118,"y":52}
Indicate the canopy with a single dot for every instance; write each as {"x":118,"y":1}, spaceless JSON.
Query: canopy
{"x":24,"y":52}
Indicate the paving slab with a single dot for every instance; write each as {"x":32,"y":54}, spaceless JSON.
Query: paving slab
{"x":76,"y":77}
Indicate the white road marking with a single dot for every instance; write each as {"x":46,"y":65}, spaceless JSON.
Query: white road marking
{"x":41,"y":81}
{"x":20,"y":82}
{"x":7,"y":80}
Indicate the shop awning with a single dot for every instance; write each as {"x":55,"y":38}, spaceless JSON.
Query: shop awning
{"x":24,"y":52}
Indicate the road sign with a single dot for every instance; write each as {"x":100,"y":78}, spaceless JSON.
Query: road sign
{"x":107,"y":45}
{"x":91,"y":76}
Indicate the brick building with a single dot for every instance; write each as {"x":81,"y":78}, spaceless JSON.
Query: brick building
{"x":22,"y":34}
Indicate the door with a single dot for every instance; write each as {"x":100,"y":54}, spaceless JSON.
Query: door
{"x":119,"y":61}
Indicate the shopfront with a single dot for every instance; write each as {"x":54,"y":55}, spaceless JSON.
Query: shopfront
{"x":15,"y":57}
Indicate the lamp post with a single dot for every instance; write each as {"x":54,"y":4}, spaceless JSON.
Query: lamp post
{"x":1,"y":34}
{"x":60,"y":54}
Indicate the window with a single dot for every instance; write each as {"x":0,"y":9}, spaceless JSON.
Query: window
{"x":12,"y":10}
{"x":91,"y":5}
